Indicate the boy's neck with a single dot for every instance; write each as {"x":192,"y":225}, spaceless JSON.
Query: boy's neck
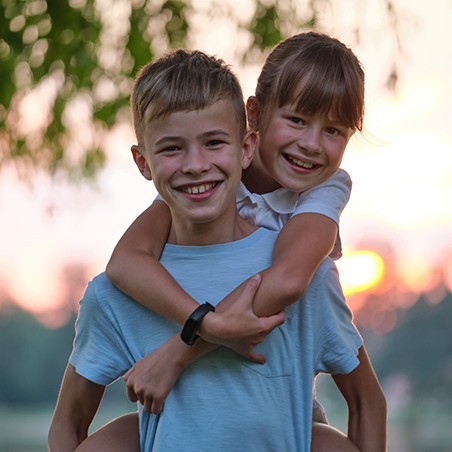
{"x":213,"y":233}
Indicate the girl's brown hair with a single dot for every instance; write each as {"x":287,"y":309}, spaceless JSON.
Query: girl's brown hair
{"x":318,"y":75}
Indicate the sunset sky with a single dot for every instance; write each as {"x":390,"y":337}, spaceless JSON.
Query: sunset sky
{"x":401,"y":169}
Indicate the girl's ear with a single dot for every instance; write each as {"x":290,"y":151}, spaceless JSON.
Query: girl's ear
{"x":249,"y":146}
{"x":252,"y":112}
{"x":141,"y":162}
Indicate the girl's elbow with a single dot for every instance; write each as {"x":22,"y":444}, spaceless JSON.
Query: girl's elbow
{"x":294,"y":288}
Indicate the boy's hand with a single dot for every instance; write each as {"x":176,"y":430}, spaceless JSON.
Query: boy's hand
{"x":235,"y":325}
{"x":151,"y":379}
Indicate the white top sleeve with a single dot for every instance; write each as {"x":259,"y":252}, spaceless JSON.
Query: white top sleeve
{"x":328,"y":198}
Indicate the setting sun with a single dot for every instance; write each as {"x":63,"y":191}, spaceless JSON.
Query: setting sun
{"x":360,"y":271}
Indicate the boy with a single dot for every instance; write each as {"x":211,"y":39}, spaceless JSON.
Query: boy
{"x":190,"y":124}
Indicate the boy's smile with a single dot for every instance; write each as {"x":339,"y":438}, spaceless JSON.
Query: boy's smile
{"x":195,"y":160}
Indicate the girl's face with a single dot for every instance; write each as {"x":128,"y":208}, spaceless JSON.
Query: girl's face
{"x":297,"y":151}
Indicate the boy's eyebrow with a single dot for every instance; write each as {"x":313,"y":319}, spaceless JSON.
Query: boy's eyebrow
{"x":207,"y":134}
{"x":167,"y":139}
{"x":215,"y":132}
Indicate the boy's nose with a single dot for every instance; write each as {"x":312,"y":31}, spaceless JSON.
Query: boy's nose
{"x":196,"y":161}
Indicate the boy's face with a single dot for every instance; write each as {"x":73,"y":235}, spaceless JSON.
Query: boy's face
{"x":297,"y":151}
{"x":195,"y":159}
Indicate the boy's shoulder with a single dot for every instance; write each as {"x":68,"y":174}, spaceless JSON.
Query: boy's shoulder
{"x":101,"y":292}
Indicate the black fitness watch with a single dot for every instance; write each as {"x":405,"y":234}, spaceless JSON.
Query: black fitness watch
{"x":191,"y":327}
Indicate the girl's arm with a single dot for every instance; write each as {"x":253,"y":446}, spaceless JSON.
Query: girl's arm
{"x":135,"y":269}
{"x":303,"y":243}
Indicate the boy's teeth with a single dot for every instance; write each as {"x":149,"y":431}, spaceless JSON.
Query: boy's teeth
{"x":298,"y":162}
{"x":197,"y":189}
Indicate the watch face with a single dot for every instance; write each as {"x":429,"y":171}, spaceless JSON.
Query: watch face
{"x":188,"y":333}
{"x":191,"y":327}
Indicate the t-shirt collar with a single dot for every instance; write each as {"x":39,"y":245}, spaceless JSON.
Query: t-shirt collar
{"x":281,"y":200}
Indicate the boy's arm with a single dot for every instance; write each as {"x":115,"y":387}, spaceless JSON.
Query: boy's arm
{"x":77,"y":404}
{"x":367,"y":422}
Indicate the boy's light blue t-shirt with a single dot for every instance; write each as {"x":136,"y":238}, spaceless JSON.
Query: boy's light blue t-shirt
{"x":223,"y":402}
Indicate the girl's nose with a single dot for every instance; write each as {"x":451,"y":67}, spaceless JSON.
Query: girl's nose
{"x":311,"y":140}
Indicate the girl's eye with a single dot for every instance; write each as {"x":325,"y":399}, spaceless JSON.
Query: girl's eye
{"x":296,"y":120}
{"x":333,"y":131}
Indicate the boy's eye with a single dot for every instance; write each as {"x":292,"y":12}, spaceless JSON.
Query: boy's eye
{"x":169,"y":149}
{"x":214,"y":143}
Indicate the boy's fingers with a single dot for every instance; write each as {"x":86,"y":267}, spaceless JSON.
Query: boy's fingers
{"x":253,"y":284}
{"x":278,"y":319}
{"x":131,"y":395}
{"x":156,"y":407}
{"x":256,"y":357}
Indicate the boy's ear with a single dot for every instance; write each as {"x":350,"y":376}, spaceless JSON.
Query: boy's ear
{"x":248,"y":147}
{"x":252,"y":112}
{"x":141,"y":162}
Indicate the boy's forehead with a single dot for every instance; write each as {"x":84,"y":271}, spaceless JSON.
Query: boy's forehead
{"x":219,"y":112}
{"x":217,"y":119}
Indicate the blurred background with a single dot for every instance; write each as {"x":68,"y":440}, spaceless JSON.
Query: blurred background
{"x":69,"y":188}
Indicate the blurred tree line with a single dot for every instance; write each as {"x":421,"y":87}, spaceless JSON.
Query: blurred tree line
{"x":417,"y":350}
{"x":71,"y":63}
{"x":33,"y":358}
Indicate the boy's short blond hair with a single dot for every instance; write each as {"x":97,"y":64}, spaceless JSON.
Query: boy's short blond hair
{"x":317,"y":74}
{"x":183,"y":81}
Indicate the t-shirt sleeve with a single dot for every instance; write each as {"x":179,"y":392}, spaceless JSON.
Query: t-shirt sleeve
{"x":328,"y":198}
{"x":337,"y":341}
{"x":99,"y":353}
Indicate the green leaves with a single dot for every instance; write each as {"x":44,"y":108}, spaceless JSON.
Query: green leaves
{"x":62,"y":59}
